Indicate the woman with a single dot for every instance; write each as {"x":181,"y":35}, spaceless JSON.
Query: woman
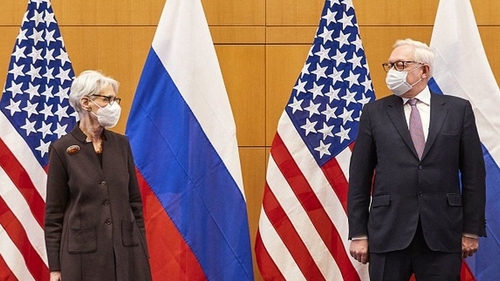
{"x":94,"y":226}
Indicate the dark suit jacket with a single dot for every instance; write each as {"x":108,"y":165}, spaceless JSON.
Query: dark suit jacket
{"x":94,"y":226}
{"x":406,"y":189}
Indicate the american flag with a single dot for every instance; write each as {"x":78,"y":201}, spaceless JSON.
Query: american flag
{"x":303,"y":224}
{"x":34,"y":112}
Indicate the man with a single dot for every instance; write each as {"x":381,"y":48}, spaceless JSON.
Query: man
{"x":419,"y":157}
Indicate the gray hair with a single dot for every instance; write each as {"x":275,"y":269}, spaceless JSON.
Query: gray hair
{"x":421,"y":52}
{"x":88,"y":83}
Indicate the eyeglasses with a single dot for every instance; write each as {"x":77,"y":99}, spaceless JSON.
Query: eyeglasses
{"x":398,"y":65}
{"x":109,"y":99}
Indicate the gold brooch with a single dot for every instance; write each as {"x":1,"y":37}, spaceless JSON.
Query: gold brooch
{"x":73,"y":149}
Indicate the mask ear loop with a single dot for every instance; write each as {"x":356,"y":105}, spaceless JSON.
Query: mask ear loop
{"x":418,"y":81}
{"x":101,"y":107}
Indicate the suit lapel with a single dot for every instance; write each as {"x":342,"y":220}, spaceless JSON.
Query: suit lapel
{"x":438,"y":115}
{"x":396,"y":114}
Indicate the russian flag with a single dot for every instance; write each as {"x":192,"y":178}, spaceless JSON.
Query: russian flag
{"x":183,"y":138}
{"x":462,"y":69}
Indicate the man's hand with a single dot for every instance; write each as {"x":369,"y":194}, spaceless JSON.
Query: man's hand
{"x":359,"y":250}
{"x":469,"y":246}
{"x":55,"y":276}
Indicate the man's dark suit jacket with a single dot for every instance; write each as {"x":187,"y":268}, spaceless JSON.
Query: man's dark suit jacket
{"x":406,"y":189}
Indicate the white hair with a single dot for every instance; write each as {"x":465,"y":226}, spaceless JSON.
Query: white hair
{"x":421,"y":52}
{"x":88,"y":83}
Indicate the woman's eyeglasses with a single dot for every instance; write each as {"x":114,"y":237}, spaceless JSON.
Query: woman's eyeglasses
{"x":109,"y":99}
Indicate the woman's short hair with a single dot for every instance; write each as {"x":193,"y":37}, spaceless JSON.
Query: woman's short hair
{"x":88,"y":83}
{"x":421,"y":52}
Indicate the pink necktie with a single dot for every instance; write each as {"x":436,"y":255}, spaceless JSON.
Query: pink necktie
{"x":416,"y":130}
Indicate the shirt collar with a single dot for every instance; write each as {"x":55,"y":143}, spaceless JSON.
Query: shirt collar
{"x":424,"y":96}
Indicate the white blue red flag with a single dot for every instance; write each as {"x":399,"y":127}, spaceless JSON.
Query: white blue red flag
{"x":34,"y":111}
{"x":462,"y":69}
{"x":183,"y":138}
{"x":303,"y":226}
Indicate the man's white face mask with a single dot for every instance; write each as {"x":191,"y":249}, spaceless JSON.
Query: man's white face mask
{"x":396,"y":81}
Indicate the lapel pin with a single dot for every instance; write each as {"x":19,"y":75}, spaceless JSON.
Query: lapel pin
{"x":73,"y":149}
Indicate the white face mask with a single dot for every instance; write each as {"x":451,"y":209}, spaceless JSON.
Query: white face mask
{"x":396,"y":81}
{"x":109,"y":115}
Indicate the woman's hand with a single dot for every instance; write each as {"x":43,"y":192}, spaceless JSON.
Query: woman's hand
{"x":55,"y":276}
